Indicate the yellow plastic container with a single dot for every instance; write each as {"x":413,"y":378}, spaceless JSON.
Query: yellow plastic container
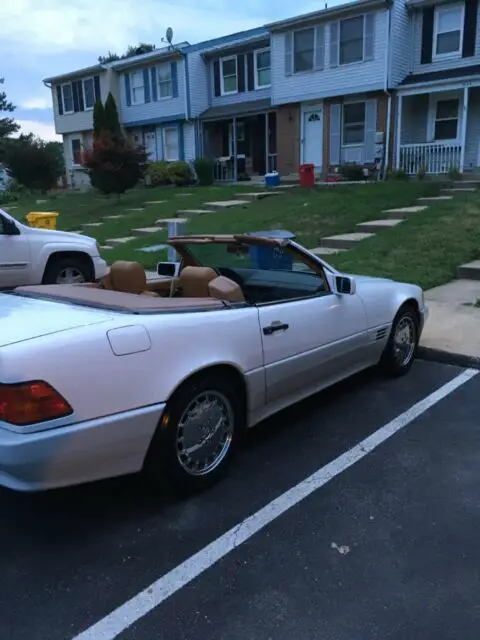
{"x":42,"y":219}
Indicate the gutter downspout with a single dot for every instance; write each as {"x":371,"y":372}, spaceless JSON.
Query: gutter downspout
{"x":386,"y":151}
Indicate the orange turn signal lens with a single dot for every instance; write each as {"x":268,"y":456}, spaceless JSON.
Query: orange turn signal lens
{"x":28,"y":403}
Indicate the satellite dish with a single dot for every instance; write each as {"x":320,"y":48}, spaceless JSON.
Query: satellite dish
{"x":169,"y":35}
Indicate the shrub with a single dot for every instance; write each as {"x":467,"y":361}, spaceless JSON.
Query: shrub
{"x":399,"y":174}
{"x":352,"y":172}
{"x":204,"y":171}
{"x":180,"y":173}
{"x":421,"y":173}
{"x":7,"y":196}
{"x":158,"y":172}
{"x":454,"y":173}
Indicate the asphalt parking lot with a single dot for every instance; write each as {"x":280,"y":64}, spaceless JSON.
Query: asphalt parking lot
{"x":386,"y":548}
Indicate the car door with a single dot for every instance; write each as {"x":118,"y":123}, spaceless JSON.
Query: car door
{"x":15,"y":260}
{"x":311,"y":341}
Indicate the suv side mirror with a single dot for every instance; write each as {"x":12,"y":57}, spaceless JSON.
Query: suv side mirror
{"x":345,"y":285}
{"x":9,"y":227}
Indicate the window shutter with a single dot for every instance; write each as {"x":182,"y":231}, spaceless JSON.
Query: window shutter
{"x":289,"y":53}
{"x":153,"y":73}
{"x":241,"y":73}
{"x":250,"y":72}
{"x":96,"y":87}
{"x":59,"y":100}
{"x":427,"y":35}
{"x":216,"y":78}
{"x":174,"y":74}
{"x":181,"y":142}
{"x":128,"y":96}
{"x":469,"y":28}
{"x":335,"y":133}
{"x":319,"y":48}
{"x":76,"y":101}
{"x":370,"y":130}
{"x":369,"y":35}
{"x":146,"y":85}
{"x":334,"y":43}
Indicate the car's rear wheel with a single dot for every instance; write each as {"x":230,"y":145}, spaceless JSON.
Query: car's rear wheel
{"x":197,"y":435}
{"x":400,"y":351}
{"x":68,"y":270}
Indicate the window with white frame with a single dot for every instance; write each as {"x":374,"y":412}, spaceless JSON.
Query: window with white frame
{"x":164,"y":79}
{"x":88,"y":86}
{"x":448,"y":29}
{"x":262,"y":68}
{"x":446,"y":119}
{"x":303,"y":50}
{"x":353,"y":130}
{"x":170,"y":144}
{"x":352,"y":37}
{"x":137,"y":88}
{"x":67,"y":96}
{"x":229,"y":75}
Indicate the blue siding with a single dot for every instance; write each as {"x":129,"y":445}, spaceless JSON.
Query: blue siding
{"x":401,"y":41}
{"x":199,"y":95}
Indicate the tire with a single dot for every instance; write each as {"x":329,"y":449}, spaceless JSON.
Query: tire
{"x":67,"y":270}
{"x":392,"y":363}
{"x":165,"y":466}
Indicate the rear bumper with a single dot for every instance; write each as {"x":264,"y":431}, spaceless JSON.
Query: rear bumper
{"x":60,"y":457}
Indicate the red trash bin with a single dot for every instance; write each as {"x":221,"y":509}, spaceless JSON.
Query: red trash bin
{"x":307,"y":175}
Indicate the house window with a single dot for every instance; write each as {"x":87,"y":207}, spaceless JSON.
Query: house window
{"x":303,"y":50}
{"x":353,"y":124}
{"x":448,"y":30}
{"x":88,"y":93}
{"x":446,"y":119}
{"x":164,"y":78}
{"x":262,"y":68}
{"x":137,"y":88}
{"x":76,"y":151}
{"x":228,"y":74}
{"x":352,"y":39}
{"x":67,"y":95}
{"x":170,"y":144}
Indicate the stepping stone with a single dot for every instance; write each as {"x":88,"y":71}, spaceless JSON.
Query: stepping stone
{"x":77,"y":231}
{"x":191,"y":213}
{"x":379,"y":225}
{"x":469,"y":271}
{"x":183,"y":195}
{"x":123,"y":240}
{"x":117,"y":217}
{"x":345,"y":240}
{"x":257,"y":195}
{"x":285,"y":186}
{"x":152,"y":248}
{"x":460,"y":189}
{"x":145,"y":231}
{"x":404,"y":212}
{"x":105,"y":247}
{"x":92,"y":224}
{"x":225,"y":204}
{"x":435,"y":198}
{"x":326,"y":251}
{"x":9,"y":208}
{"x":155,"y":202}
{"x":167,"y":220}
{"x":136,"y":209}
{"x":40,"y":201}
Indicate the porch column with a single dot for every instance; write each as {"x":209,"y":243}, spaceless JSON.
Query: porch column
{"x":463,"y":132}
{"x":398,"y":131}
{"x":234,"y":148}
{"x":267,"y":168}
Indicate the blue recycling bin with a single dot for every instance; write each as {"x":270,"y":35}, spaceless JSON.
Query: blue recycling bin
{"x":272,"y":179}
{"x":272,"y":258}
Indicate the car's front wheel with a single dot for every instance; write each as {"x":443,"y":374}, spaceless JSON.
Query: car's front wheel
{"x":197,"y":435}
{"x":401,"y":348}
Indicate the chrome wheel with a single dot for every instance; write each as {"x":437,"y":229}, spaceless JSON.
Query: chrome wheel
{"x":204,"y":433}
{"x":70,"y":275}
{"x":404,"y":340}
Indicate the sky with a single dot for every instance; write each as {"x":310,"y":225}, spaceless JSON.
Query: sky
{"x":44,"y":38}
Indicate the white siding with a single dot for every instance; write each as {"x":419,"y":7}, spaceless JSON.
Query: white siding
{"x":331,"y":81}
{"x":189,"y":141}
{"x":401,"y":39}
{"x":82,"y":120}
{"x":235,"y":98}
{"x":446,"y":63}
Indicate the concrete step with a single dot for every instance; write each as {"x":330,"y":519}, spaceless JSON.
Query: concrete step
{"x":459,"y":189}
{"x":226,"y":204}
{"x":379,"y":225}
{"x":345,"y":240}
{"x":435,"y":199}
{"x":123,"y":240}
{"x":469,"y":271}
{"x":145,"y":231}
{"x":326,"y":251}
{"x":258,"y":195}
{"x":404,"y":212}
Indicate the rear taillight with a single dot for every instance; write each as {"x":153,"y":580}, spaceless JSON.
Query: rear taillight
{"x":28,"y":403}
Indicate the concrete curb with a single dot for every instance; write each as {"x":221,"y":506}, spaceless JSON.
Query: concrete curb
{"x":446,"y":357}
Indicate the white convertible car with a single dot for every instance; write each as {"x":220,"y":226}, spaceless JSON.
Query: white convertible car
{"x":120,"y":376}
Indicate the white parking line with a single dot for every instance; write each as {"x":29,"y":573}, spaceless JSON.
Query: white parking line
{"x":128,"y":613}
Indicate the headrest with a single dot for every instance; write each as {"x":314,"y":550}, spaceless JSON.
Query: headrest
{"x":225,"y":289}
{"x":128,"y":277}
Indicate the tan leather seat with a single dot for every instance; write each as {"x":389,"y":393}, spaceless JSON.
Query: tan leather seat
{"x":225,"y":289}
{"x":194,"y":281}
{"x":127,"y":277}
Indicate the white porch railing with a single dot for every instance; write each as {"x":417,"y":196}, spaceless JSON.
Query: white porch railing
{"x":434,"y":157}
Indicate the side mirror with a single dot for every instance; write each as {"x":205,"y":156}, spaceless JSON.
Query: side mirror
{"x":168,"y":269}
{"x":345,"y":285}
{"x":9,"y":227}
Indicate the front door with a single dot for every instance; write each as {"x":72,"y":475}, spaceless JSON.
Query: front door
{"x":150,"y":141}
{"x":313,"y":137}
{"x":15,"y":265}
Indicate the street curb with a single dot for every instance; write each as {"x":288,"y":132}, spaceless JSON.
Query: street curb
{"x":446,"y":357}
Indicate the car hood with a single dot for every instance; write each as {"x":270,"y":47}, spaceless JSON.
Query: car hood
{"x":61,"y":236}
{"x":368,"y":278}
{"x":23,"y":318}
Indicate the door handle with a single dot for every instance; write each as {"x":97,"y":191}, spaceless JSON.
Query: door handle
{"x":267,"y":331}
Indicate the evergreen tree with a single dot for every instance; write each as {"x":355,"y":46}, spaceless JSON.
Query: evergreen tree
{"x":112,"y":121}
{"x":98,"y":118}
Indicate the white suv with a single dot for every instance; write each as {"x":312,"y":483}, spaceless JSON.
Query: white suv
{"x":44,"y":256}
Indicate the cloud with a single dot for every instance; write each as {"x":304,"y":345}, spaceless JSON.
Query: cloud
{"x":43,"y":130}
{"x":37,"y":103}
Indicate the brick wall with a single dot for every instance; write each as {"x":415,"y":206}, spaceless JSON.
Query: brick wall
{"x":288,"y":138}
